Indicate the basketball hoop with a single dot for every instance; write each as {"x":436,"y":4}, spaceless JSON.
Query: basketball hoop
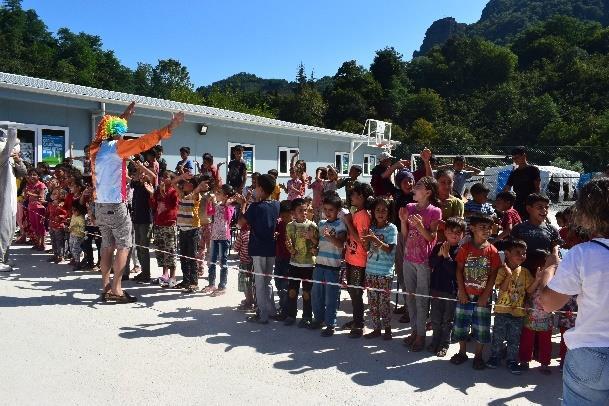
{"x":378,"y":133}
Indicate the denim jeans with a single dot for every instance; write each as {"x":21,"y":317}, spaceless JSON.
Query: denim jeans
{"x":282,"y":267}
{"x":586,"y":376}
{"x":188,"y":244}
{"x":264,"y":288}
{"x":143,"y":234}
{"x":442,"y":318}
{"x":325,"y":297}
{"x":507,"y":328}
{"x":219,"y":251}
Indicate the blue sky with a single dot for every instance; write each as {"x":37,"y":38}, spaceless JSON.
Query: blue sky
{"x":218,"y":38}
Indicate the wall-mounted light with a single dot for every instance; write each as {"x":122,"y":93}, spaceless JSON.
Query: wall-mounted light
{"x":203,"y":129}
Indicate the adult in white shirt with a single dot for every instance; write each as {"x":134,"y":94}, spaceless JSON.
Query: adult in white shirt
{"x":584,"y":272}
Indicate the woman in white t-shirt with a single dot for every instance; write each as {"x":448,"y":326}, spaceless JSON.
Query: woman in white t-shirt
{"x":584,"y":272}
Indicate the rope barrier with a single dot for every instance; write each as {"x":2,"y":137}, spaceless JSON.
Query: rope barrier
{"x":341,"y":285}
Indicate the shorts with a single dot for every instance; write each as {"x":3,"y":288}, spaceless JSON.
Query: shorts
{"x":471,"y":315}
{"x":114,"y":225}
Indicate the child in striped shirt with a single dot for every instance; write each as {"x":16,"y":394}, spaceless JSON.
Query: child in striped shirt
{"x":332,"y":236}
{"x":246,"y":278}
{"x":188,"y":223}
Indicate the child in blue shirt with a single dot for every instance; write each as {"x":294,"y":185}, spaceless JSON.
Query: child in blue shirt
{"x":444,"y":285}
{"x":332,"y":236}
{"x":382,"y":239}
{"x":262,"y":218}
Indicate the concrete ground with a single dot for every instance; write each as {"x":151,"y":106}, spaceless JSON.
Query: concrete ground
{"x":62,"y":346}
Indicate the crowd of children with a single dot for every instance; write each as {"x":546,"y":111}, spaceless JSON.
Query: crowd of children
{"x":444,"y":250}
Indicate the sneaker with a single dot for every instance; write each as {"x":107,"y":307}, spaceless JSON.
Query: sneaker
{"x":327,"y":332}
{"x":356,"y":333}
{"x":141,"y":278}
{"x":373,"y":334}
{"x":492,"y":363}
{"x":524,"y":366}
{"x":172,"y":284}
{"x":163,"y":280}
{"x":513,"y":367}
{"x":387,"y":335}
{"x":315,"y":325}
{"x":182,"y":285}
{"x":289,"y":321}
{"x":5,"y":268}
{"x":256,"y":319}
{"x":304,"y":323}
{"x":279,"y":317}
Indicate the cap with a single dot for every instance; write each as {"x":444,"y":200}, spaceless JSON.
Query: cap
{"x":401,"y":175}
{"x":357,"y":168}
{"x":385,"y":155}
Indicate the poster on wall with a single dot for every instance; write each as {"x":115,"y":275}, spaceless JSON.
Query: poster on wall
{"x":53,"y":148}
{"x":27,"y":152}
{"x":248,"y":157}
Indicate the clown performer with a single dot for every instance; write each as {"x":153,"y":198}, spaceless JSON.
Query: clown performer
{"x":109,"y":153}
{"x":11,"y":166}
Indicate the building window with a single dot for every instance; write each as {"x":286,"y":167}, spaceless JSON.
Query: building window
{"x":284,"y":157}
{"x":41,"y":143}
{"x":341,"y":161}
{"x":249,"y":155}
{"x":369,"y":164}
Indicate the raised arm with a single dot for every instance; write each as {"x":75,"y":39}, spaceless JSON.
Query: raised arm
{"x":126,"y":148}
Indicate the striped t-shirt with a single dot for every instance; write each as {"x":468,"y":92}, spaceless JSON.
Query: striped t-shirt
{"x":382,"y":263}
{"x":188,"y":213}
{"x":329,"y":254}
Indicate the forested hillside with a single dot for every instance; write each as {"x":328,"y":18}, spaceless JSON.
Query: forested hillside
{"x":522,"y":75}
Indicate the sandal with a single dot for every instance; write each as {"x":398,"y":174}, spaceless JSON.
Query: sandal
{"x":125,"y":298}
{"x":417,"y":347}
{"x":218,"y":292}
{"x":105,"y":291}
{"x":209,"y":289}
{"x":409,"y":340}
{"x":200,"y":274}
{"x":459,"y":358}
{"x":479,"y":364}
{"x":441,"y":352}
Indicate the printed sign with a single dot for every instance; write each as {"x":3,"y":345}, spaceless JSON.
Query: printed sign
{"x":53,"y":149}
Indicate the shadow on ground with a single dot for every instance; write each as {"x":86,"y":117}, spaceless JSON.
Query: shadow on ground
{"x":367,"y":362}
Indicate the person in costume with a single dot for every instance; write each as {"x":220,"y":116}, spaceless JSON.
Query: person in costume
{"x":109,"y":153}
{"x":11,"y":166}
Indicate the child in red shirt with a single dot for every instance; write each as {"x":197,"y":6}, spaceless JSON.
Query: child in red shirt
{"x":58,"y":215}
{"x":164,"y":204}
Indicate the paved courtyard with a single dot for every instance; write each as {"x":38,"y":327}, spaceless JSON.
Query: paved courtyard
{"x":60,"y":345}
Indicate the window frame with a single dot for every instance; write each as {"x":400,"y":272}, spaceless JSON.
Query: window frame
{"x":289,"y":151}
{"x":371,"y":164}
{"x":341,"y":168}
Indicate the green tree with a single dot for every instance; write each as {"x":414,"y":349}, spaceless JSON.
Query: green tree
{"x":168,"y":76}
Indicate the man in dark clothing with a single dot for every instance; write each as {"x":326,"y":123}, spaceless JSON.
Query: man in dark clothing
{"x":141,"y":217}
{"x":525,"y":179}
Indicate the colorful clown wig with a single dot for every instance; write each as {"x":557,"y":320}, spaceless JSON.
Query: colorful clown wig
{"x":110,"y":126}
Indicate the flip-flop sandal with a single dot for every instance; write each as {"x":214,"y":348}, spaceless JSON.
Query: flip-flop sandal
{"x":125,"y":298}
{"x":417,"y":347}
{"x":104,"y":295}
